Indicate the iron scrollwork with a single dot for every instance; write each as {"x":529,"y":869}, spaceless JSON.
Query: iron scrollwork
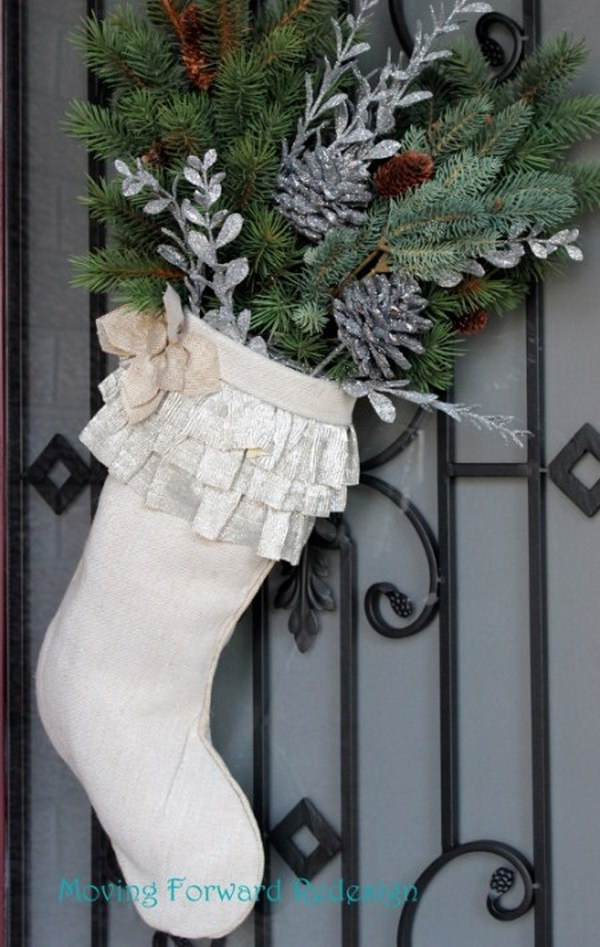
{"x":399,"y":601}
{"x":491,"y":48}
{"x":304,"y":589}
{"x":501,"y":882}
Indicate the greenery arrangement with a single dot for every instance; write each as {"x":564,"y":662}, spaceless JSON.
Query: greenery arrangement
{"x":353,"y":227}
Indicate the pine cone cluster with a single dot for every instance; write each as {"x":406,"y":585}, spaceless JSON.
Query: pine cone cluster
{"x":403,"y":171}
{"x":472,"y":322}
{"x":377,"y":318}
{"x":324,"y":189}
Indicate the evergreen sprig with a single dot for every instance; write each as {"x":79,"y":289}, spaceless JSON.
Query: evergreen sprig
{"x":188,"y":76}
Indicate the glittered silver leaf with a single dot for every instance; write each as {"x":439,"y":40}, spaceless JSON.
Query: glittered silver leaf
{"x":157,"y":206}
{"x":505,"y":259}
{"x":202,"y":247}
{"x":230,"y":230}
{"x":172,"y":256}
{"x":194,"y":177}
{"x":574,"y":253}
{"x":210,"y":158}
{"x":132,"y":186}
{"x":236,"y":272}
{"x":382,"y":406}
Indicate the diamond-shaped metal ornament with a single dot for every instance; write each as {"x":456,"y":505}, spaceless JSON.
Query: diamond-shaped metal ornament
{"x":305,"y":815}
{"x":585,"y":441}
{"x":58,"y":450}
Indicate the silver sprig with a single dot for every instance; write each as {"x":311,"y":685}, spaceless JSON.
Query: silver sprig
{"x":511,"y":252}
{"x":202,"y":234}
{"x":378,"y":392}
{"x":308,"y":192}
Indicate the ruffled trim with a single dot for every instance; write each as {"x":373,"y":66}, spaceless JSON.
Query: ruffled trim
{"x":238,"y":468}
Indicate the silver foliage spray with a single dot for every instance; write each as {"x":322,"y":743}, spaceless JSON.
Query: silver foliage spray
{"x":202,"y":233}
{"x":328,"y":185}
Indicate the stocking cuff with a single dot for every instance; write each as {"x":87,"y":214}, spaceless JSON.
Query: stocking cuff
{"x":252,"y":463}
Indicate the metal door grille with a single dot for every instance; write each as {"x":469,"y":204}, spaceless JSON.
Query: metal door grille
{"x":332,"y":541}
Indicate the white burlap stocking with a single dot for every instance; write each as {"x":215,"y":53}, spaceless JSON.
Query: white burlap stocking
{"x":203,"y":495}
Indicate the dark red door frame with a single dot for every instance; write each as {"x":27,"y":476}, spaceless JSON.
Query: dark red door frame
{"x":3,"y":510}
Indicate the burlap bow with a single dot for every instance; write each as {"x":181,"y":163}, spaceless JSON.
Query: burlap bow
{"x":162,"y":356}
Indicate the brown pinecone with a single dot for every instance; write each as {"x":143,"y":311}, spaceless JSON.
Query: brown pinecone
{"x":156,"y":156}
{"x":403,"y":171}
{"x":194,"y":60}
{"x":472,"y":322}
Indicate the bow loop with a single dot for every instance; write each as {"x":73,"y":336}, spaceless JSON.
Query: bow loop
{"x":162,"y":356}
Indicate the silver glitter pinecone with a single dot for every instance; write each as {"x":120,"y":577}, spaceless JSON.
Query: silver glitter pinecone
{"x":324,"y":188}
{"x":377,"y":318}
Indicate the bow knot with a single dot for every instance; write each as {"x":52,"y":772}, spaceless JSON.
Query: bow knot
{"x":162,"y":356}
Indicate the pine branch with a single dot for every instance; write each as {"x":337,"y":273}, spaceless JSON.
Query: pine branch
{"x":102,"y":271}
{"x":434,"y":369}
{"x":457,"y":126}
{"x":585,"y":178}
{"x":300,"y":7}
{"x":468,"y":174}
{"x":310,"y":318}
{"x":269,"y":242}
{"x":100,"y":129}
{"x":186,"y":124}
{"x":124,"y":51}
{"x":542,"y":198}
{"x":556,"y":129}
{"x":231,"y":27}
{"x":272,"y":311}
{"x":504,"y":131}
{"x":466,"y":72}
{"x":173,"y":15}
{"x":251,"y":165}
{"x":105,"y":202}
{"x":497,"y":294}
{"x":239,"y":92}
{"x":159,"y":13}
{"x":545,"y":75}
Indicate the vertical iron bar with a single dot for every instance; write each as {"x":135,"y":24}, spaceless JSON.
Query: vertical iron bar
{"x":538,"y":618}
{"x":15,"y":307}
{"x":261,"y":706}
{"x":262,"y":759}
{"x":349,"y":733}
{"x":97,"y":301}
{"x":538,"y":624}
{"x":449,"y":783}
{"x":97,"y":306}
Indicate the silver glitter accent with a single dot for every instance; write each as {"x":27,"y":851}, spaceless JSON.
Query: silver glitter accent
{"x":236,"y":467}
{"x":377,"y":393}
{"x":542,"y":247}
{"x":201,"y":234}
{"x":377,"y":317}
{"x":358,"y":124}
